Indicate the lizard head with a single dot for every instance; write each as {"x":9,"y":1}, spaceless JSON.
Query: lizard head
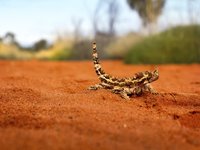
{"x":146,"y":77}
{"x":152,"y":75}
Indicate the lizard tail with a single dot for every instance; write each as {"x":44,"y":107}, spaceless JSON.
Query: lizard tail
{"x":97,"y":66}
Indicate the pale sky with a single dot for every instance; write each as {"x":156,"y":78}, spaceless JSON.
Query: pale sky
{"x":31,"y":20}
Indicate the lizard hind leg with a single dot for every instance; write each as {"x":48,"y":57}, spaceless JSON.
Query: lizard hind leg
{"x":100,"y":86}
{"x":117,"y":90}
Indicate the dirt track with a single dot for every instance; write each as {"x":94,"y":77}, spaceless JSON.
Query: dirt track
{"x":45,"y":105}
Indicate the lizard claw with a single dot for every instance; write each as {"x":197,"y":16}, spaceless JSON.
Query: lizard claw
{"x":154,"y":92}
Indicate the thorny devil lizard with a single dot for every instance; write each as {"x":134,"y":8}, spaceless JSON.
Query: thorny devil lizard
{"x":126,"y":87}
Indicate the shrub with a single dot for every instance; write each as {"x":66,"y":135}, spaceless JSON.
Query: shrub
{"x":177,"y":45}
{"x":61,"y":50}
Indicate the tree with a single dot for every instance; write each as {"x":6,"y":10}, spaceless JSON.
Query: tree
{"x":77,"y":22}
{"x":39,"y":45}
{"x":193,"y":10}
{"x":148,"y":10}
{"x":9,"y":38}
{"x":113,"y":13}
{"x":109,"y":9}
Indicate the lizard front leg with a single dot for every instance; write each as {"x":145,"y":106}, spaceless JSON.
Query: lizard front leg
{"x":149,"y":88}
{"x":127,"y":92}
{"x":137,"y":91}
{"x":122,"y":91}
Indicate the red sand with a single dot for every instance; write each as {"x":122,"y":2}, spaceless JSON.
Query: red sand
{"x":46,"y":105}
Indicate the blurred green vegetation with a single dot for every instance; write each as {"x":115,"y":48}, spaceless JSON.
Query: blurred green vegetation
{"x":13,"y":52}
{"x":176,"y":45}
{"x":60,"y":50}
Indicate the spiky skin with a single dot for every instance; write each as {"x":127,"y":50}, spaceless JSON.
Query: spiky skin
{"x":126,"y":87}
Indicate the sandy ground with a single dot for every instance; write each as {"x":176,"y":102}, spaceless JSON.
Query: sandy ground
{"x":46,"y":105}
